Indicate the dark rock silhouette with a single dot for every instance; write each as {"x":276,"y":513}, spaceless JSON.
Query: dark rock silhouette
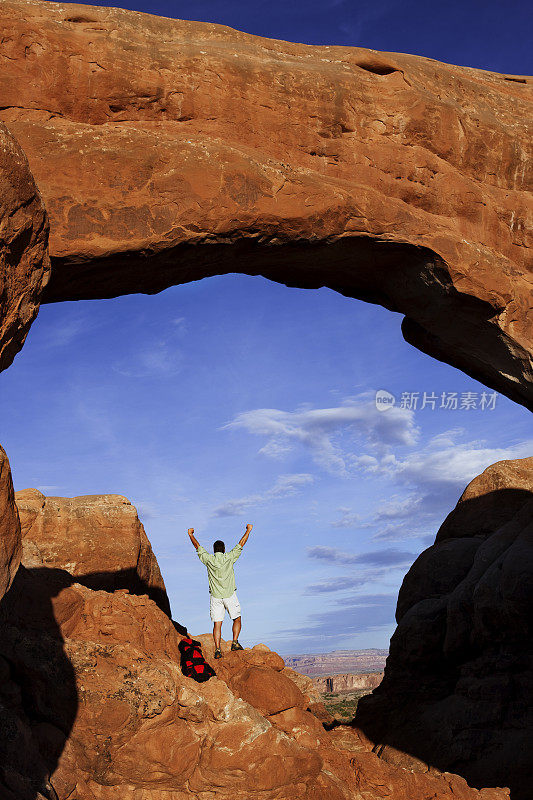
{"x":24,"y":260}
{"x":458,"y":684}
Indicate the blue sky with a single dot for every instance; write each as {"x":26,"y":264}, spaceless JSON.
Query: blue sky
{"x":235,"y":400}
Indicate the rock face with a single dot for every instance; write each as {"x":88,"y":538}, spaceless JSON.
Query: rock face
{"x":10,"y":539}
{"x":97,"y":539}
{"x":24,"y":262}
{"x":93,"y":700}
{"x":344,"y":683}
{"x":168,"y":151}
{"x":458,"y":685}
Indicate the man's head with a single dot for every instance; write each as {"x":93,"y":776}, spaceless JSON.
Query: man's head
{"x":219,"y":547}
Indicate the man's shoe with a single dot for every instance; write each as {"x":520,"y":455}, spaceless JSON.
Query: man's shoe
{"x":236,"y":646}
{"x":218,"y":654}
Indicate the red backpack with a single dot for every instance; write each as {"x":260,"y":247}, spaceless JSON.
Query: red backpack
{"x":193,"y":664}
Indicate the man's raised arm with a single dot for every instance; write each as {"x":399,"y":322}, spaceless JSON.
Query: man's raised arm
{"x":244,"y":539}
{"x":193,"y":539}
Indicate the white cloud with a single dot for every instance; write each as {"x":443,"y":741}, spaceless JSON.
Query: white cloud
{"x":319,"y":430}
{"x":435,"y":477}
{"x":285,"y":486}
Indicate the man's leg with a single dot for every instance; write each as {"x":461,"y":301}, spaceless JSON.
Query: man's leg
{"x":217,"y":633}
{"x":236,"y":629}
{"x":216,"y":608}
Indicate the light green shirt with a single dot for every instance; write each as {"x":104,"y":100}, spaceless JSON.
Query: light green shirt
{"x":220,"y":570}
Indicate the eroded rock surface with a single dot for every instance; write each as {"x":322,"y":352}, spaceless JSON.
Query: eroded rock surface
{"x":458,"y":685}
{"x":24,"y":262}
{"x":97,"y":539}
{"x":168,"y":151}
{"x":93,"y":701}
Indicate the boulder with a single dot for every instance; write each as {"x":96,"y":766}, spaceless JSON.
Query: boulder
{"x":93,"y":702}
{"x":93,"y":699}
{"x":24,"y":261}
{"x":458,"y":686}
{"x":97,"y":539}
{"x":170,"y":150}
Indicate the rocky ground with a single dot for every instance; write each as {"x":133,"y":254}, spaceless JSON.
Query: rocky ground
{"x":148,"y":185}
{"x":94,"y":705}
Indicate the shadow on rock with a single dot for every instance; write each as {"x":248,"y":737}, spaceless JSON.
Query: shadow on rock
{"x":39,"y":698}
{"x":38,"y":694}
{"x":457,"y":693}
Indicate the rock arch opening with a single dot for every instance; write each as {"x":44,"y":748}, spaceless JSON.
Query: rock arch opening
{"x":415,"y":198}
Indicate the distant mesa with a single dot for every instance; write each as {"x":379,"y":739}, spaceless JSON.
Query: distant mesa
{"x":338,"y":662}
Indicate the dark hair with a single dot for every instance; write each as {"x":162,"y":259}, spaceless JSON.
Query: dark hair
{"x":219,"y":547}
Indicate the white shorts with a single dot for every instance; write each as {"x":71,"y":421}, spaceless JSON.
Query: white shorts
{"x":219,"y":606}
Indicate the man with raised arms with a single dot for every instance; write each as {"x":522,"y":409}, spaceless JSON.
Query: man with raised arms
{"x":222,"y":589}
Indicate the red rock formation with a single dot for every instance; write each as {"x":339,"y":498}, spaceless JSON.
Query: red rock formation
{"x":24,"y":262}
{"x":93,"y":700}
{"x":10,"y":540}
{"x":97,"y":539}
{"x":458,"y":685}
{"x":167,"y":151}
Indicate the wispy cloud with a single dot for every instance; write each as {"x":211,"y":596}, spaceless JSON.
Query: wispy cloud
{"x":160,"y":354}
{"x":372,"y":567}
{"x":284,"y":486}
{"x":146,"y":510}
{"x":353,"y":615}
{"x":339,"y":584}
{"x":72,"y":324}
{"x":387,"y":557}
{"x":319,"y":429}
{"x":433,"y":478}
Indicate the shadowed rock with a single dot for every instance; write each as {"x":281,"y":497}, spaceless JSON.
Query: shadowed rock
{"x":458,"y":684}
{"x":10,"y":539}
{"x":98,"y":539}
{"x":24,"y":262}
{"x":93,"y":699}
{"x":168,"y":151}
{"x":93,"y":702}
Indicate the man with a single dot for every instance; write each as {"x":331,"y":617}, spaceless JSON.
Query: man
{"x":222,"y":586}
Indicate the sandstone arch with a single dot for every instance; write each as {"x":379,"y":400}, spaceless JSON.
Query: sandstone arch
{"x":167,"y":151}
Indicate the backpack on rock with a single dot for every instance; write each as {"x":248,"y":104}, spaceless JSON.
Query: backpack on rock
{"x":193,"y":664}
